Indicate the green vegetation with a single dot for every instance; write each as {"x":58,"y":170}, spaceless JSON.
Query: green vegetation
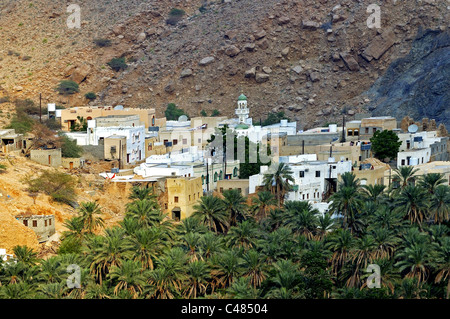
{"x":59,"y":186}
{"x":274,"y":118}
{"x":172,"y":112}
{"x":117,"y":64}
{"x":69,"y":147}
{"x":215,"y":112}
{"x":67,"y":87}
{"x":175,"y":15}
{"x":203,"y":113}
{"x":90,"y":96}
{"x":385,"y":144}
{"x":102,"y":42}
{"x":228,"y":249}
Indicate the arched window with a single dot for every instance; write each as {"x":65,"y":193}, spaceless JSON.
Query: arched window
{"x":235,"y":172}
{"x":203,"y":179}
{"x":220,"y":175}
{"x":215,"y":176}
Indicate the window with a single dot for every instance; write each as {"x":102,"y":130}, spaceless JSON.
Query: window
{"x":25,"y":222}
{"x":189,"y":197}
{"x":301,"y":174}
{"x":150,"y":147}
{"x":34,"y":223}
{"x":199,"y":140}
{"x":240,"y":190}
{"x":184,"y":141}
{"x":45,"y":223}
{"x":175,"y":142}
{"x":303,"y":196}
{"x":49,"y":222}
{"x":374,"y":130}
{"x":317,"y":173}
{"x":175,"y":199}
{"x":203,"y":180}
{"x":403,"y":162}
{"x":367,"y":130}
{"x":215,"y":176}
{"x":235,"y":171}
{"x":221,"y":190}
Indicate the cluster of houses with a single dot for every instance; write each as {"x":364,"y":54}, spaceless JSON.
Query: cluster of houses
{"x":175,"y":157}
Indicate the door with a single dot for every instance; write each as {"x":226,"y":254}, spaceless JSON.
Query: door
{"x":49,"y":160}
{"x":71,"y":165}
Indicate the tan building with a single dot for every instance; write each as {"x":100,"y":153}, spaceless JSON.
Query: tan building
{"x":154,"y":147}
{"x":42,"y":225}
{"x":354,"y":151}
{"x":115,"y":148}
{"x":372,"y":124}
{"x":242,"y":185}
{"x":11,"y":141}
{"x":70,"y":116}
{"x":371,"y":172}
{"x":182,"y":195}
{"x":50,"y":157}
{"x":440,"y":167}
{"x":72,"y":162}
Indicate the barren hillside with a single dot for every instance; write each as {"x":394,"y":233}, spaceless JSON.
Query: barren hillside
{"x":311,"y":59}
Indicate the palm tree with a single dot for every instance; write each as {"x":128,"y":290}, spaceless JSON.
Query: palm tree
{"x":340,"y":243}
{"x":17,"y":291}
{"x":145,"y":212}
{"x":235,"y":204}
{"x":54,"y":290}
{"x":302,"y":219}
{"x":227,"y":267}
{"x":147,"y":244}
{"x":431,"y":181}
{"x":325,"y":224}
{"x":405,"y":175}
{"x":242,"y":289}
{"x":385,"y":241}
{"x":278,"y":182}
{"x":75,"y":226}
{"x":255,"y":267}
{"x":361,"y":255}
{"x":284,"y":281}
{"x":191,"y":241}
{"x":168,"y":277}
{"x":440,"y":204}
{"x":416,"y":260}
{"x":413,"y":203}
{"x":26,"y":255}
{"x":128,"y":276}
{"x":197,"y":279}
{"x":211,"y":213}
{"x":51,"y":270}
{"x":243,"y":235}
{"x":210,"y":244}
{"x":442,"y":261}
{"x":88,"y":212}
{"x":141,"y":193}
{"x":347,"y":204}
{"x":410,"y":288}
{"x":389,"y":277}
{"x":109,"y":252}
{"x":374,"y":193}
{"x":262,"y":204}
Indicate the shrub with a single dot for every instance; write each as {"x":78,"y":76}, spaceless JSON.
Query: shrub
{"x":203,"y":113}
{"x":59,"y":186}
{"x":69,"y":147}
{"x":21,"y":122}
{"x":175,"y":15}
{"x":215,"y":112}
{"x":67,"y":87}
{"x":4,"y":99}
{"x":117,"y":64}
{"x":102,"y":42}
{"x":90,"y":96}
{"x":172,"y":112}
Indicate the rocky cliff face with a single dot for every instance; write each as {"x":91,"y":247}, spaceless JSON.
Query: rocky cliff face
{"x":417,"y":85}
{"x":311,"y":59}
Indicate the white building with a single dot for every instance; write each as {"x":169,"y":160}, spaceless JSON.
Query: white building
{"x":421,"y":147}
{"x":135,"y":136}
{"x":312,"y":179}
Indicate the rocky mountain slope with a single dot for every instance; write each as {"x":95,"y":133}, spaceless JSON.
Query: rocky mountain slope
{"x":311,"y":59}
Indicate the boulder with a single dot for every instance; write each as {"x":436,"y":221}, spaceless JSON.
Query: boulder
{"x":314,"y":76}
{"x":379,"y":45}
{"x":141,"y":37}
{"x":251,"y":73}
{"x":80,"y":73}
{"x":249,"y":47}
{"x":262,"y":77}
{"x":349,"y":61}
{"x":297,"y":69}
{"x":206,"y":61}
{"x":232,"y":51}
{"x":283,"y":20}
{"x":185,"y":73}
{"x":260,"y":34}
{"x":310,"y":25}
